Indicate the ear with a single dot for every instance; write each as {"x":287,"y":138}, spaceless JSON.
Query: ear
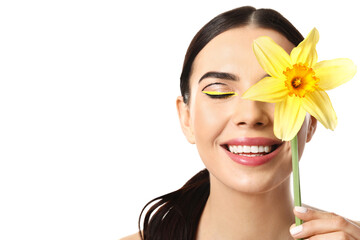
{"x":184,"y":117}
{"x":311,"y":128}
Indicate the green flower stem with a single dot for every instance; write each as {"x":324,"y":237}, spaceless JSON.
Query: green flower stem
{"x":296,"y":176}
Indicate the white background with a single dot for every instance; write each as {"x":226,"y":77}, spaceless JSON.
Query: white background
{"x":88,"y":127}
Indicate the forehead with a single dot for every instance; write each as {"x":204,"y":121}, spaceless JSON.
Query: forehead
{"x":231,"y":51}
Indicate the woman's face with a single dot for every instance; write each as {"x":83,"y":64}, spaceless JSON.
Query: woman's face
{"x":227,"y":64}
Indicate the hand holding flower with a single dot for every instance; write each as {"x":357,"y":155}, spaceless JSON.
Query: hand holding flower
{"x":324,"y":225}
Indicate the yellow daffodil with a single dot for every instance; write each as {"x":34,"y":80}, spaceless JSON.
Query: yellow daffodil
{"x":297,"y":83}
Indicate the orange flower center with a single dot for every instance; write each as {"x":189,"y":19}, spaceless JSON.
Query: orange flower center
{"x":300,"y":80}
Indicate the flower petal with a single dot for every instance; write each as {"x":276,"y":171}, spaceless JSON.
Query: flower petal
{"x":305,"y":52}
{"x":268,"y":89}
{"x":288,"y":119}
{"x":272,"y":58}
{"x":318,"y":105}
{"x":333,"y":73}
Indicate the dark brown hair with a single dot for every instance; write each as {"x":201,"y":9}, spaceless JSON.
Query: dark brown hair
{"x":176,"y":215}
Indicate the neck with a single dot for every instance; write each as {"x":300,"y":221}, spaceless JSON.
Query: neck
{"x":229,"y":214}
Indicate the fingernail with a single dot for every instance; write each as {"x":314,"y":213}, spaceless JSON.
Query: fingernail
{"x":301,"y":209}
{"x":296,"y":230}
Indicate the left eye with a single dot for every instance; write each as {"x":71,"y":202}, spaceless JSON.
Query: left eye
{"x":220,"y":94}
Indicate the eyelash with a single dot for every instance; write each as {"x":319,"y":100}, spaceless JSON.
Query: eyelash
{"x":220,"y":94}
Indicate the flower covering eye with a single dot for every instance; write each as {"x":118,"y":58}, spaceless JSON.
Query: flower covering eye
{"x":297,"y":83}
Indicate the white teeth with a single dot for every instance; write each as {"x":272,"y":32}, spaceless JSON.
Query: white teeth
{"x":246,"y":149}
{"x":231,"y":149}
{"x":249,"y":149}
{"x":254,"y":149}
{"x":261,"y":149}
{"x":267,"y":149}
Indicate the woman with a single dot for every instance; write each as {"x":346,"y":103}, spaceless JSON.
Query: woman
{"x":241,"y":197}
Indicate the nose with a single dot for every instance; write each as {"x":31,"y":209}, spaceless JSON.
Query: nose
{"x":252,"y":114}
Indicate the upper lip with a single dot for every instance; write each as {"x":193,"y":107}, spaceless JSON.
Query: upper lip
{"x":256,"y":141}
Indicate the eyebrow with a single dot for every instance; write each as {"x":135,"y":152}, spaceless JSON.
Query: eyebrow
{"x":220,"y":75}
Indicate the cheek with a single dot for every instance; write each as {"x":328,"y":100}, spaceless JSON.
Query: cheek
{"x":208,"y":122}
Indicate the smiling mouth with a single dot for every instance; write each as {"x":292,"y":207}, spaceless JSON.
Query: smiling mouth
{"x":251,"y":151}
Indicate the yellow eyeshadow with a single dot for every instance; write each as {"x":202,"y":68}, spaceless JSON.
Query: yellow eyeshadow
{"x":220,"y":93}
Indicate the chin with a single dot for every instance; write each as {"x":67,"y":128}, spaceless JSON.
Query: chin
{"x":257,"y":187}
{"x":256,"y":182}
{"x":251,"y":182}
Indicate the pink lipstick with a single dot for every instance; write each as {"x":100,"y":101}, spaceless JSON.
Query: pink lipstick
{"x":252,"y":151}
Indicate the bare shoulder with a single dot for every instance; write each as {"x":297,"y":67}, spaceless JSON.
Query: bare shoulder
{"x":135,"y":236}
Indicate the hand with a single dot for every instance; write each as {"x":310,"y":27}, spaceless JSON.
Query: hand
{"x":319,"y":225}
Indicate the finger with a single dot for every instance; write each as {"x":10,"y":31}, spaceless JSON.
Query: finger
{"x":332,"y":236}
{"x":332,"y":222}
{"x":307,"y":214}
{"x":324,"y":226}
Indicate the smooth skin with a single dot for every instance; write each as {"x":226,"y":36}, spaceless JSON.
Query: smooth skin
{"x":246,"y":202}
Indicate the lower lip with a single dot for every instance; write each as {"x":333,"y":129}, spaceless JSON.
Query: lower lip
{"x":253,"y":161}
